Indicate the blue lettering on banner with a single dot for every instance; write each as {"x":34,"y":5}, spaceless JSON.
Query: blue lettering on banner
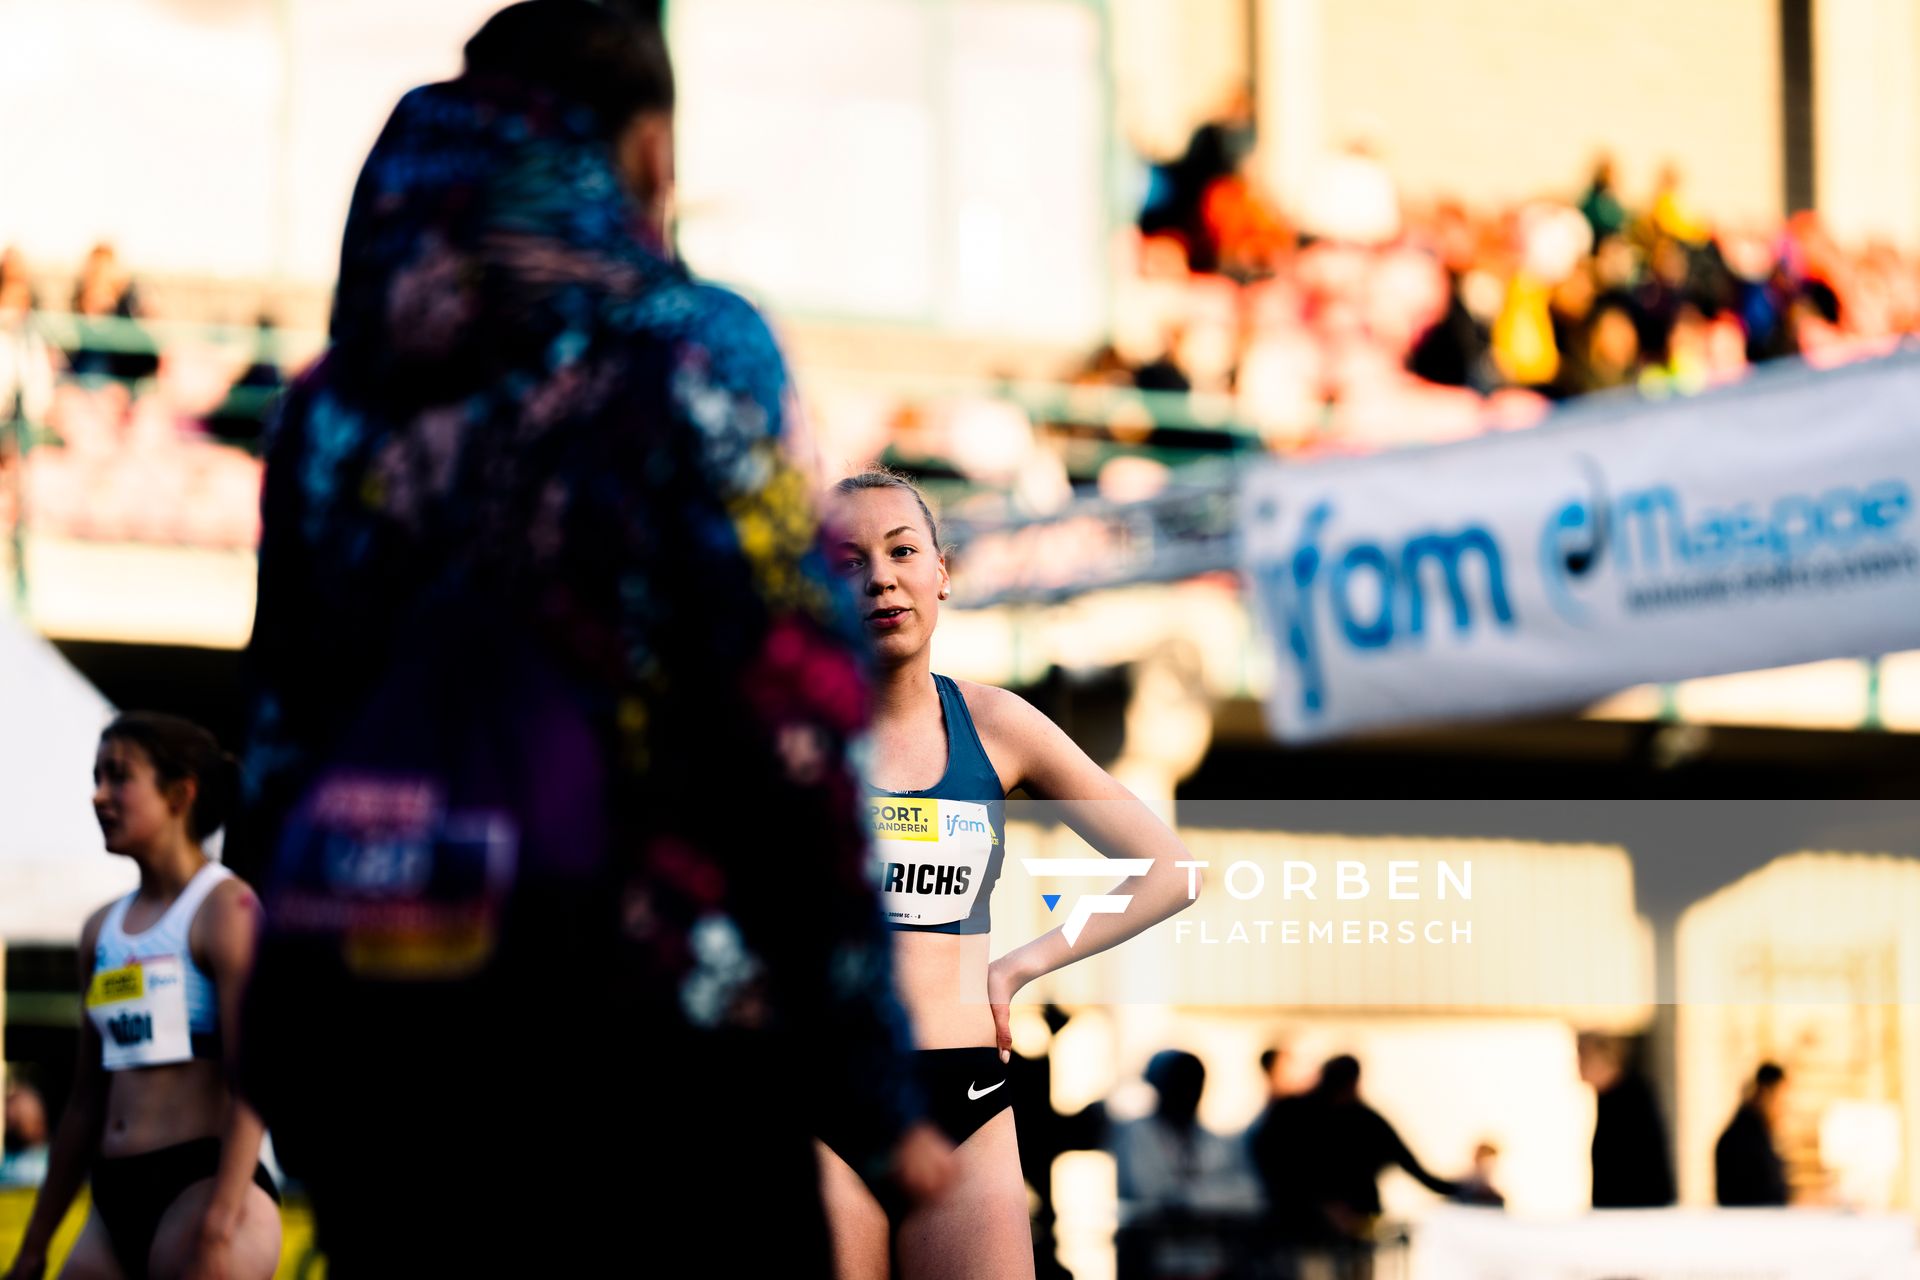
{"x":1377,"y":593}
{"x":1650,"y":531}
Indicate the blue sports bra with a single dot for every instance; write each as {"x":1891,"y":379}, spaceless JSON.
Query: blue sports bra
{"x":938,"y":851}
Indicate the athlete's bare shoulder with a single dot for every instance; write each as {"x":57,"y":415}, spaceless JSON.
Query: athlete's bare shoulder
{"x":90,"y":932}
{"x":1012,"y":730}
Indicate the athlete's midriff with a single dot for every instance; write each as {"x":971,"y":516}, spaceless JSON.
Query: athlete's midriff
{"x":942,"y":980}
{"x":153,"y":1107}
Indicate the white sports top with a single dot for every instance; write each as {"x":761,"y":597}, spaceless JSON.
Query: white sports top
{"x":148,"y":1000}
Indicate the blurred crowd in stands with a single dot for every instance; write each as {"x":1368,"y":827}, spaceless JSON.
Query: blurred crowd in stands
{"x":131,"y":439}
{"x":1359,"y":321}
{"x":1367,"y":321}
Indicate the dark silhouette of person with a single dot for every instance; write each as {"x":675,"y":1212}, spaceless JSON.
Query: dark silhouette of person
{"x":1351,"y":1144}
{"x":1274,"y":1143}
{"x":1044,"y":1134}
{"x":1747,"y":1169}
{"x":1631,"y":1167}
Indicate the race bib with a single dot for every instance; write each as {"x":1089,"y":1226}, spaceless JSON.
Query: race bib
{"x":140,"y":1011}
{"x":931,"y":857}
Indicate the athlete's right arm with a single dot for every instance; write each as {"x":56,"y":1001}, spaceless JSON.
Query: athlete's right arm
{"x":78,"y":1135}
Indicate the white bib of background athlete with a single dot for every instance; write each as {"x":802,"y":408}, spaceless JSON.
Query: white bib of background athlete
{"x":140,"y":1011}
{"x":932,"y":857}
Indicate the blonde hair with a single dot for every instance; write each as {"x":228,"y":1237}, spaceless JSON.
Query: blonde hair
{"x":880,"y":477}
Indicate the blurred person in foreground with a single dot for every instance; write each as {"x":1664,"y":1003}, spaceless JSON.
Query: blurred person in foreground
{"x":153,"y":1123}
{"x":1747,"y":1169}
{"x":554,"y":695}
{"x":1631,"y":1167}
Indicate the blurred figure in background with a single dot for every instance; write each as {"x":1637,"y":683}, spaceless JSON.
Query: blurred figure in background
{"x":1477,"y":1186}
{"x":1747,"y":1169}
{"x":1347,"y":1144}
{"x":1176,"y":202}
{"x":240,"y":416}
{"x":1177,"y":1178}
{"x":1293,"y":1220}
{"x":542,"y":605}
{"x":1600,"y":204}
{"x":17,"y":297}
{"x":1631,"y":1166}
{"x":27,"y":362}
{"x":23,"y":1160}
{"x":1045,"y":1134}
{"x":105,"y":292}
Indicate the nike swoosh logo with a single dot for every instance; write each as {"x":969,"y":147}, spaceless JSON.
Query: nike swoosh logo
{"x":975,"y":1097}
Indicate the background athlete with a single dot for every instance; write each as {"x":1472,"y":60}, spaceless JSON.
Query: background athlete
{"x":945,"y":754}
{"x":178,"y":1190}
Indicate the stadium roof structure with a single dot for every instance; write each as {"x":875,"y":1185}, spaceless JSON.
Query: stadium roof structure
{"x":53,"y":871}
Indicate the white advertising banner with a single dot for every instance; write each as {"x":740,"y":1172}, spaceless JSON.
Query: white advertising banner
{"x":1618,"y":544}
{"x":1665,"y":1244}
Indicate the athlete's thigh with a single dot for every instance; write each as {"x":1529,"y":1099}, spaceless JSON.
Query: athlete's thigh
{"x":981,"y":1226}
{"x":854,"y":1218}
{"x":256,"y":1241}
{"x":92,"y":1257}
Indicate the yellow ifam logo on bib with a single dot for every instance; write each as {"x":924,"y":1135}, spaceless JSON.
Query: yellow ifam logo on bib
{"x":895,"y":819}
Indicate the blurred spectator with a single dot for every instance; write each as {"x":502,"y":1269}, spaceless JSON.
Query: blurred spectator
{"x":104,"y":291}
{"x":17,"y":297}
{"x":1352,"y":199}
{"x":26,"y":361}
{"x":1176,"y":202}
{"x":1250,"y":237}
{"x":1477,"y":1187}
{"x":1631,"y":1167}
{"x":1599,"y":205}
{"x":1747,"y":1169}
{"x":1175,"y":1174}
{"x":1607,"y":352}
{"x":1168,"y":1161}
{"x":1346,"y":1145}
{"x":103,"y":287}
{"x":1044,"y":1134}
{"x":1164,"y":372}
{"x":1274,"y":1145}
{"x":240,"y":415}
{"x":1276,"y":1068}
{"x":1672,"y":215}
{"x":23,"y":1154}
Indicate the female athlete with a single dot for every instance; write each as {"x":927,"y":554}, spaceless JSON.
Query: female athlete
{"x":178,"y":1190}
{"x":945,"y":754}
